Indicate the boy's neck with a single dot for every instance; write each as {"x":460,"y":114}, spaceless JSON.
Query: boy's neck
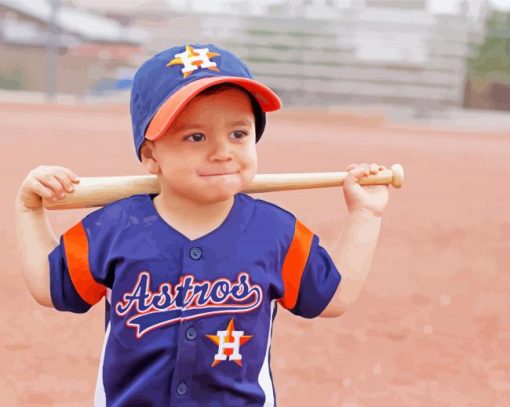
{"x":181,"y":211}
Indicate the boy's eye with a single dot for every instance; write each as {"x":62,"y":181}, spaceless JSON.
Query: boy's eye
{"x":239,"y":134}
{"x":195,"y":137}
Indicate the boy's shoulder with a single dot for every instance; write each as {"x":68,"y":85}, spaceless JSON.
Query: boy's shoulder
{"x":123,"y":211}
{"x":271,"y":211}
{"x":116,"y":211}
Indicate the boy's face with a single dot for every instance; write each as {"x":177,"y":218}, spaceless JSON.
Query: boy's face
{"x":214,"y":134}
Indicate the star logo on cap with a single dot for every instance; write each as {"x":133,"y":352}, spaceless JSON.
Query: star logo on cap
{"x":229,"y":343}
{"x":194,"y":58}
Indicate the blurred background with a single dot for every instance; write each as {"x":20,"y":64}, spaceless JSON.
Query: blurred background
{"x":422,"y":83}
{"x":427,"y":56}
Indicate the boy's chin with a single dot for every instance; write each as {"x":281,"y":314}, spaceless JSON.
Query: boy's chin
{"x":226,"y":186}
{"x":218,"y":194}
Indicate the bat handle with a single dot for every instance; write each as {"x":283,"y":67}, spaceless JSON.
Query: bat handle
{"x":393,"y":177}
{"x":287,"y":182}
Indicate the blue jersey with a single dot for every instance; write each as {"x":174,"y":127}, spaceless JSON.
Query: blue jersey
{"x":189,"y":322}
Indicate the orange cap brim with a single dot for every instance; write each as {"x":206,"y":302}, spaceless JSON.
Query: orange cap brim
{"x":169,"y":110}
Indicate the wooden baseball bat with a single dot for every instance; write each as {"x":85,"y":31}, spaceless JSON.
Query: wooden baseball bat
{"x":100,"y":191}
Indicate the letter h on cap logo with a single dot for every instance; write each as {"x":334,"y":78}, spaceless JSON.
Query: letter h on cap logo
{"x":194,"y":58}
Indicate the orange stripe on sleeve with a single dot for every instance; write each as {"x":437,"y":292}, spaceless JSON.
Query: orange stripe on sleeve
{"x":294,"y":264}
{"x":77,"y":252}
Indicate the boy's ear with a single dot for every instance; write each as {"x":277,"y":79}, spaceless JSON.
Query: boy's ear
{"x":149,"y":160}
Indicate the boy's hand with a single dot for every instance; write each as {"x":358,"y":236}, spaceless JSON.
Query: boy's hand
{"x":46,"y":181}
{"x":371,"y":198}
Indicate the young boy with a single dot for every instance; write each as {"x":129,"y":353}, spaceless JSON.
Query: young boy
{"x":192,"y":276}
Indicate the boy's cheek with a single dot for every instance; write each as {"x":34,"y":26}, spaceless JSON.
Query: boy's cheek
{"x":248,"y":176}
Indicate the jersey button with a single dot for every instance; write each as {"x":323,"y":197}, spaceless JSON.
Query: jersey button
{"x":182,"y":388}
{"x":195,"y":253}
{"x":191,"y":333}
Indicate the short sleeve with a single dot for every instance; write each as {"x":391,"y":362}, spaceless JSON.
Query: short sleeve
{"x":309,"y":275}
{"x":64,"y":295}
{"x":79,"y":265}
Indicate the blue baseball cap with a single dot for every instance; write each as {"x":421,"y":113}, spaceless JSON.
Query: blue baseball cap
{"x":166,"y":82}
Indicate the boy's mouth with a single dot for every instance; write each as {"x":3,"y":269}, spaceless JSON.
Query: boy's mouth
{"x":218,"y":174}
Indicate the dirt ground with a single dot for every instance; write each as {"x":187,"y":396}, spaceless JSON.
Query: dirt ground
{"x":431,"y":327}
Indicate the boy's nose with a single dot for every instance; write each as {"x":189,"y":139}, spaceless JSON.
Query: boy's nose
{"x":220,"y":150}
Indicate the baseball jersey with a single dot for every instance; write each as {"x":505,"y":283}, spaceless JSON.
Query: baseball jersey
{"x":189,"y":322}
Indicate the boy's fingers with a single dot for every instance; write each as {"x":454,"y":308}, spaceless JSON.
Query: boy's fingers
{"x":373,"y":167}
{"x":50,"y":181}
{"x":42,"y":191}
{"x":65,"y":180}
{"x":71,"y":174}
{"x":364,"y":169}
{"x":361,"y":170}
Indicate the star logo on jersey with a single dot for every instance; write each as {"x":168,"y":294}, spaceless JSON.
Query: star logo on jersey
{"x":194,"y":58}
{"x":229,"y":343}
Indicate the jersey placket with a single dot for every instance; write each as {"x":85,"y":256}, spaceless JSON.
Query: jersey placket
{"x":192,"y":263}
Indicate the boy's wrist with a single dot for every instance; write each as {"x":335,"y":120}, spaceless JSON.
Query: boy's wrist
{"x":20,"y":206}
{"x":365,"y":212}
